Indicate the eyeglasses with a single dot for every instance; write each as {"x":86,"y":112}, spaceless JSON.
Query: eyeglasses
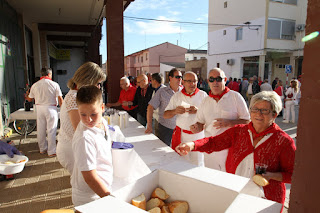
{"x":190,"y":81}
{"x":178,"y":76}
{"x":262,"y":111}
{"x":218,"y":79}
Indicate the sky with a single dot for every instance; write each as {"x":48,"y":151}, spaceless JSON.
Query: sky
{"x":142,"y":34}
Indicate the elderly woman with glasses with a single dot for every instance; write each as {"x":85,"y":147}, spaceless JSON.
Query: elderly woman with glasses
{"x":259,"y":142}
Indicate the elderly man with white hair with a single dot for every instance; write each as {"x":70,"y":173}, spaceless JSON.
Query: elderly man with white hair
{"x":222,"y":109}
{"x":127,"y":94}
{"x":184,"y":106}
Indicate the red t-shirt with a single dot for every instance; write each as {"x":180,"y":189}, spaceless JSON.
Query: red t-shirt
{"x":279,"y":91}
{"x":127,"y":96}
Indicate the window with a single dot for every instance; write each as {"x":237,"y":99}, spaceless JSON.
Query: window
{"x":141,"y":59}
{"x":281,"y":29}
{"x":187,"y":59}
{"x":146,"y":56}
{"x":218,"y":65}
{"x":194,"y":58}
{"x":225,"y":4}
{"x":294,"y":2}
{"x":239,"y":32}
{"x":138,"y":58}
{"x":224,"y":32}
{"x":134,"y":60}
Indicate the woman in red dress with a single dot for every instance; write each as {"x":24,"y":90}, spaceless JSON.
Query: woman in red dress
{"x":261,"y":141}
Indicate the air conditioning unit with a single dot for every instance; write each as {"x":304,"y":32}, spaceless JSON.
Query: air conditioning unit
{"x":300,"y":27}
{"x":230,"y":61}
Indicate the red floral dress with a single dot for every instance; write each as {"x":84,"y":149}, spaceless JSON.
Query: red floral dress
{"x":278,"y":152}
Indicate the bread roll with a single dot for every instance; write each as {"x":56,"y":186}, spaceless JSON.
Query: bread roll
{"x":165,"y":209}
{"x":155,"y":210}
{"x":160,"y":193}
{"x":140,"y":202}
{"x":178,"y":206}
{"x":154,"y":202}
{"x":260,"y":180}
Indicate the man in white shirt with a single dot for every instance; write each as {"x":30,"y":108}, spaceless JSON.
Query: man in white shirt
{"x":45,"y":93}
{"x":219,"y":111}
{"x":184,"y":105}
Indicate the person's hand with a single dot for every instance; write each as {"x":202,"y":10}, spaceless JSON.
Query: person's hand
{"x":185,"y":148}
{"x":180,"y":110}
{"x":149,"y":129}
{"x":8,"y":149}
{"x":108,"y":105}
{"x":195,"y":128}
{"x":221,"y":123}
{"x":192,"y":110}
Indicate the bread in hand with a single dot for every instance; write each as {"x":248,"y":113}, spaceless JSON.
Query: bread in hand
{"x":155,"y":210}
{"x":140,"y":202}
{"x":178,"y":206}
{"x":160,"y":193}
{"x":154,"y":202}
{"x":260,"y":180}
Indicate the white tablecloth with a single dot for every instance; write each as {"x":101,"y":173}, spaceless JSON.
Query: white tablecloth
{"x":21,"y":114}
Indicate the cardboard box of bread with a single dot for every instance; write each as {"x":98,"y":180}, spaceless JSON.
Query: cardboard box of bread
{"x":197,"y":189}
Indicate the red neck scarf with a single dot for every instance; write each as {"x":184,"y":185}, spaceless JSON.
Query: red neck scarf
{"x":271,"y":129}
{"x":190,"y":95}
{"x":219,"y":96}
{"x":45,"y":77}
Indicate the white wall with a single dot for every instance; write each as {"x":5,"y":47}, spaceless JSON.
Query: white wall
{"x":164,"y":68}
{"x":190,"y":56}
{"x":76,"y":60}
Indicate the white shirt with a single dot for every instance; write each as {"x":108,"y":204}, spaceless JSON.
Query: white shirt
{"x":266,"y":87}
{"x":45,"y":92}
{"x":66,"y":129}
{"x":249,"y":91}
{"x":231,"y":106}
{"x":91,"y":151}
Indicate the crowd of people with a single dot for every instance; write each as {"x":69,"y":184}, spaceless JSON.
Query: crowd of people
{"x":216,"y":130}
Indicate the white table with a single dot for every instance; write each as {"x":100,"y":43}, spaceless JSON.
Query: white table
{"x":21,"y":114}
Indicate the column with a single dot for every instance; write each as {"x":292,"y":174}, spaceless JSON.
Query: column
{"x":262,"y":59}
{"x":115,"y":48}
{"x":36,"y":49}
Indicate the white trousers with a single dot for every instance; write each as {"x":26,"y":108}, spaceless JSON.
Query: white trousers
{"x":65,"y":155}
{"x":290,"y":110}
{"x":47,"y":121}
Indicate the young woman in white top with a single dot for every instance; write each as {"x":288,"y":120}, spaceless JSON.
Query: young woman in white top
{"x":87,"y":74}
{"x":291,"y":95}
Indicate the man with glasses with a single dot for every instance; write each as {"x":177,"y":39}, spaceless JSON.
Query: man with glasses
{"x":184,"y":106}
{"x":219,"y":111}
{"x":141,"y":99}
{"x":161,"y":100}
{"x":127,"y":94}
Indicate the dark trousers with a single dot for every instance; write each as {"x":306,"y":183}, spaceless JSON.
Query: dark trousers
{"x":165,"y":134}
{"x":141,"y":119}
{"x":133,"y":113}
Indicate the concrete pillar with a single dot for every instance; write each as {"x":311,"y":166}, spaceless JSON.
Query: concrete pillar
{"x":305,"y":188}
{"x":293,"y":64}
{"x":262,"y":60}
{"x":115,"y":47}
{"x":93,"y":46}
{"x":36,"y":49}
{"x":44,"y":49}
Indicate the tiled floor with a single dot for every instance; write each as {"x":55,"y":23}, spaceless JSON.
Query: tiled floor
{"x":43,"y":184}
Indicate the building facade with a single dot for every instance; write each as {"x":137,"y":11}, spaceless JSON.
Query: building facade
{"x":257,"y":38}
{"x":148,"y":60}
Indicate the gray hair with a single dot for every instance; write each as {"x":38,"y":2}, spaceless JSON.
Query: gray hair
{"x":125,"y":79}
{"x":45,"y":71}
{"x":189,"y":72}
{"x":272,"y":97}
{"x":222,"y":74}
